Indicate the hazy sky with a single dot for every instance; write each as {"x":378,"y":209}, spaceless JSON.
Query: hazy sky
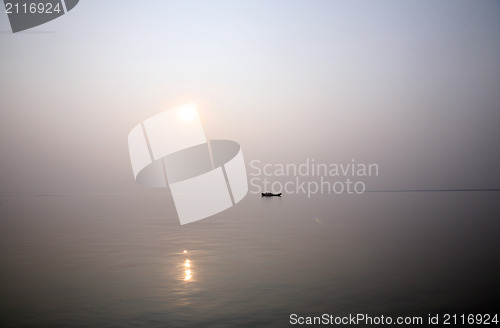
{"x":410,"y":85}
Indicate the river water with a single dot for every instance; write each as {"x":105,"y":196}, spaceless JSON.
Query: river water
{"x":123,"y":260}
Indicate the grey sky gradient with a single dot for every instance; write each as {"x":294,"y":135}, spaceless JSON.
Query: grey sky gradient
{"x":410,"y":85}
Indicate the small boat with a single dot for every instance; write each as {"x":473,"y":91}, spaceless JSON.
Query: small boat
{"x":270,"y":194}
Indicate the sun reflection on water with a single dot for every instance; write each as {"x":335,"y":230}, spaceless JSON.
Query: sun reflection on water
{"x":187,"y":264}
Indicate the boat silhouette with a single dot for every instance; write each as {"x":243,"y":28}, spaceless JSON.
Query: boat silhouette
{"x":270,"y":194}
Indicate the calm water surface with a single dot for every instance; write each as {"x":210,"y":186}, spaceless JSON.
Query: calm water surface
{"x":119,"y":261}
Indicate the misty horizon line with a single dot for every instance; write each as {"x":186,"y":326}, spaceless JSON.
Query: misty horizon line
{"x":155,"y":193}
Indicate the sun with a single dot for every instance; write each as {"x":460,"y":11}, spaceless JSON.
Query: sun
{"x":187,"y":113}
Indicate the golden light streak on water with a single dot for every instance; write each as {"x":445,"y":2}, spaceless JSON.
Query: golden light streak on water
{"x":187,"y":264}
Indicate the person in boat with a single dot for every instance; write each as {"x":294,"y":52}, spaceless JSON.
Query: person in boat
{"x":270,"y":194}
